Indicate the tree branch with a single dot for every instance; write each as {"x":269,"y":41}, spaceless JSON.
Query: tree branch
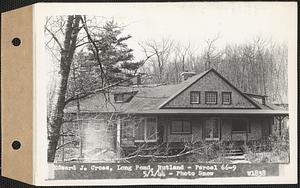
{"x":96,"y":50}
{"x":96,"y":91}
{"x":86,"y":94}
{"x":55,"y":38}
{"x":164,"y":156}
{"x":63,"y":145}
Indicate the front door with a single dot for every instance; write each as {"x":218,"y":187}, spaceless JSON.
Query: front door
{"x":212,"y":129}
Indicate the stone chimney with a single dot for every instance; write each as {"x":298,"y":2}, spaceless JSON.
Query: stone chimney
{"x":263,"y":99}
{"x":186,"y":75}
{"x":138,"y":79}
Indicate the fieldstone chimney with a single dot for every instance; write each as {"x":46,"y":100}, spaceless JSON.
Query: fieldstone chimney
{"x":138,"y":79}
{"x":186,"y":75}
{"x":263,"y":99}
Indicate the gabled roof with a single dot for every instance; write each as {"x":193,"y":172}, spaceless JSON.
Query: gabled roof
{"x":198,"y":77}
{"x":151,"y":100}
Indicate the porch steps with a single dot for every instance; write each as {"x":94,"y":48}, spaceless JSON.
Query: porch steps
{"x":241,"y":157}
{"x":236,"y":156}
{"x":234,"y":153}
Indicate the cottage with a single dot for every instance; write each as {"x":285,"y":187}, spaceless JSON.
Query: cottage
{"x":203,"y":107}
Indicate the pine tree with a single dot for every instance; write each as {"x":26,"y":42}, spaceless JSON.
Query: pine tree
{"x":116,"y":58}
{"x":115,"y":55}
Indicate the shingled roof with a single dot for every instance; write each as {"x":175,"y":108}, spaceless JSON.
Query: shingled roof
{"x":150,"y":99}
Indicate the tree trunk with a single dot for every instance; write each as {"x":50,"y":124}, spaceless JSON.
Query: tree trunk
{"x":56,"y":116}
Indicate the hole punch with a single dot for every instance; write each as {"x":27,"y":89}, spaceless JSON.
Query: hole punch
{"x":16,"y":41}
{"x":16,"y":145}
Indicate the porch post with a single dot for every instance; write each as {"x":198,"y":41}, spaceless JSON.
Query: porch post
{"x":63,"y":142}
{"x":280,"y":119}
{"x":81,"y":134}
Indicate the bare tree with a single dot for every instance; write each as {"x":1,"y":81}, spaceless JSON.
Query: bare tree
{"x":102,"y":61}
{"x":161,"y":53}
{"x":182,"y":52}
{"x":67,"y":49}
{"x":210,"y":53}
{"x":257,"y":66}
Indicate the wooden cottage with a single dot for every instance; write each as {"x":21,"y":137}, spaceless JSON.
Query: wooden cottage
{"x":203,"y":107}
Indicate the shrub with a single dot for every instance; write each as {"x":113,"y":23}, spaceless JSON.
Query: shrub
{"x":273,"y":149}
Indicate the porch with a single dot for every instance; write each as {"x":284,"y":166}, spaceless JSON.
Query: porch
{"x":178,"y":130}
{"x":195,"y":128}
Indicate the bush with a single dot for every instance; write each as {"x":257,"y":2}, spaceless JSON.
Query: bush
{"x":273,"y":149}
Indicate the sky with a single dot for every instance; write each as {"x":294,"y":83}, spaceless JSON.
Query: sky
{"x":196,"y":22}
{"x":191,"y":22}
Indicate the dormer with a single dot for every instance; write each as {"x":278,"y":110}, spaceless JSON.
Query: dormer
{"x":261,"y":99}
{"x":123,"y":97}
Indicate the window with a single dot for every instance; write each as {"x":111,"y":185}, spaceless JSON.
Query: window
{"x":127,"y":129}
{"x":146,"y":130}
{"x":226,"y":97}
{"x":127,"y":133}
{"x":195,"y":97}
{"x":181,"y":127}
{"x":211,"y":129}
{"x":119,"y":97}
{"x":210,"y":97}
{"x":240,"y":125}
{"x":151,"y":129}
{"x":124,"y":97}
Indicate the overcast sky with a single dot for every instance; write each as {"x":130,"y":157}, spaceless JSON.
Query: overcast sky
{"x":192,"y":22}
{"x":196,"y":22}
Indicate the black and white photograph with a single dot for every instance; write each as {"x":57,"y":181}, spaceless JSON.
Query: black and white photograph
{"x":168,"y":90}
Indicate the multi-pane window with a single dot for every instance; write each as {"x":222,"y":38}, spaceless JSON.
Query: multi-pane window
{"x":181,"y":127}
{"x":146,"y":130}
{"x":195,"y":97}
{"x":226,"y":97}
{"x":211,"y":97}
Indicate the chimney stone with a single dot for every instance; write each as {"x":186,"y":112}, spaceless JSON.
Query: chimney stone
{"x":138,"y":79}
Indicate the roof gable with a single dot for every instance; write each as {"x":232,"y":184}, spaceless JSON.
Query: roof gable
{"x":210,"y":80}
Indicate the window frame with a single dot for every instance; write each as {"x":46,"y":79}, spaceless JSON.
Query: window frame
{"x":145,"y":131}
{"x":181,"y":133}
{"x":209,"y":92}
{"x":199,"y":97}
{"x":230,"y":97}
